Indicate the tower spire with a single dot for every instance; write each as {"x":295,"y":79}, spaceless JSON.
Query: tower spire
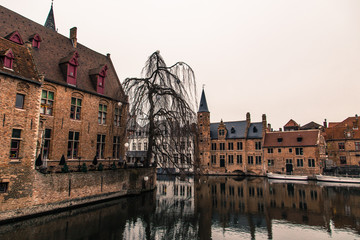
{"x":50,"y":20}
{"x":203,"y":104}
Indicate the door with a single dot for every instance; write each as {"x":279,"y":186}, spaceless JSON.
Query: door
{"x":289,"y":168}
{"x":222,"y":161}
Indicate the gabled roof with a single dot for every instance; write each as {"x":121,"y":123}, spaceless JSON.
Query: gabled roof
{"x":55,"y":47}
{"x":237,"y":129}
{"x":23,"y":65}
{"x":291,"y":123}
{"x":311,"y":125}
{"x":203,"y":104}
{"x":291,"y":138}
{"x":338,"y":130}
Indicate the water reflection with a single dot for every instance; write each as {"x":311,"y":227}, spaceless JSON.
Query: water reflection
{"x":208,"y":208}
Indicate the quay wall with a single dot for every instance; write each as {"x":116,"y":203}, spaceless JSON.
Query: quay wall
{"x":55,"y":191}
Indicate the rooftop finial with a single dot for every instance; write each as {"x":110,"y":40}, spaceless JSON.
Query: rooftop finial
{"x":203,"y":86}
{"x":50,"y":20}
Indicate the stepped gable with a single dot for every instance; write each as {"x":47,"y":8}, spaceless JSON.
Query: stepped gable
{"x":55,"y":47}
{"x":23,"y":65}
{"x":299,"y":138}
{"x":237,"y":129}
{"x":338,"y":130}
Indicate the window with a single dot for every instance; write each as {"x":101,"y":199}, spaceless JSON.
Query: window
{"x":100,"y":146}
{"x":288,"y":161}
{"x":72,"y":69}
{"x":221,"y":132}
{"x":230,"y":146}
{"x":102,"y":113}
{"x":36,"y":41}
{"x":134,"y":146}
{"x":19,"y":103}
{"x":188,"y":158}
{"x":279,"y":150}
{"x":117,"y":117}
{"x":145,"y":146}
{"x":182,"y":158}
{"x":222,"y":159}
{"x":8,"y":59}
{"x":101,"y":80}
{"x":279,"y":139}
{"x":311,"y":162}
{"x":258,"y":160}
{"x":341,"y":146}
{"x":342,"y":159}
{"x":299,"y":139}
{"x":15,"y":143}
{"x":75,"y":110}
{"x":139,"y":146}
{"x":357,"y":146}
{"x":222,"y":146}
{"x":239,"y":145}
{"x":73,"y":144}
{"x":250,"y":159}
{"x":231,"y":159}
{"x":176,"y":158}
{"x":299,"y":151}
{"x":299,"y":162}
{"x":270,"y":150}
{"x":116,"y":147}
{"x":46,"y":148}
{"x":257,"y":145}
{"x":271,"y":162}
{"x":290,"y":150}
{"x":47,"y":102}
{"x":239,"y":159}
{"x":182,"y":145}
{"x":4,"y":187}
{"x":213,"y":146}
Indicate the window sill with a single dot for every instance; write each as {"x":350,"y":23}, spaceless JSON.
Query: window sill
{"x":20,"y":109}
{"x":10,"y":69}
{"x":14,"y":161}
{"x":75,"y":120}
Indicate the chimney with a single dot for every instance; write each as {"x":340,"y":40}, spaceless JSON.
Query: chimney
{"x":73,"y":36}
{"x":280,"y":129}
{"x":248,"y":120}
{"x":269,"y":127}
{"x":325,"y":123}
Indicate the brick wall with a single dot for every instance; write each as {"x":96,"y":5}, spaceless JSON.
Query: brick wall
{"x":61,"y":190}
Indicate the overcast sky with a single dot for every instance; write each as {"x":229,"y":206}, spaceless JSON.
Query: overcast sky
{"x":285,"y":58}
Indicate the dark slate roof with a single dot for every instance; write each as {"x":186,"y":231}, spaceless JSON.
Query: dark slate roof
{"x":237,"y":129}
{"x":203,"y":104}
{"x":55,"y":47}
{"x":311,"y":125}
{"x":50,"y":20}
{"x":23,"y":65}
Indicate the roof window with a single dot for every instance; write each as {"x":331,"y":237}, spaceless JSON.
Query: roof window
{"x":15,"y":37}
{"x":98,"y":76}
{"x":299,"y":139}
{"x":280,"y":139}
{"x":8,"y":59}
{"x":69,"y":66}
{"x":35,"y":40}
{"x":255,"y":129}
{"x":232,"y":130}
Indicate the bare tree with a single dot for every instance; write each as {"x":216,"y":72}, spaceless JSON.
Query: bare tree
{"x":164,"y":99}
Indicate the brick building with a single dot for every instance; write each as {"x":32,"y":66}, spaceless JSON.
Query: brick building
{"x":227,"y":147}
{"x":300,"y":152}
{"x":20,"y":88}
{"x":82,"y":101}
{"x":343,"y":142}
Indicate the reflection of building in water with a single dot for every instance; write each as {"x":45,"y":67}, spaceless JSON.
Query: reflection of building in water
{"x":253,"y":203}
{"x":175,"y":193}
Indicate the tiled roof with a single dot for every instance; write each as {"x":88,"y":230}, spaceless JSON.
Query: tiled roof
{"x":291,"y":123}
{"x":300,"y":138}
{"x":237,"y":129}
{"x":339,"y":130}
{"x":311,"y":125}
{"x":23,"y":65}
{"x":55,"y":47}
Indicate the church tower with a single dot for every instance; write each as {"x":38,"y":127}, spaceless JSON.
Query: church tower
{"x":203,"y":117}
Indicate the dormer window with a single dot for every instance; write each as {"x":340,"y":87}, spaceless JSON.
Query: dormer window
{"x":280,"y":139}
{"x":8,"y":59}
{"x":255,"y":129}
{"x":98,"y":76}
{"x":35,"y":40}
{"x":232,"y":130}
{"x":69,"y":66}
{"x":221,"y":132}
{"x":299,"y":139}
{"x":15,"y":37}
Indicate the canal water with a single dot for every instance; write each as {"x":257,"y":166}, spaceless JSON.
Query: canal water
{"x":208,"y":208}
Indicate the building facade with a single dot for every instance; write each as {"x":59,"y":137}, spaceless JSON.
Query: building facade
{"x":230,"y":147}
{"x":300,"y":152}
{"x":343,"y":142}
{"x":82,"y":105}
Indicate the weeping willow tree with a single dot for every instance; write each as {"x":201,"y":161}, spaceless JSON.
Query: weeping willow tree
{"x":164,"y":100}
